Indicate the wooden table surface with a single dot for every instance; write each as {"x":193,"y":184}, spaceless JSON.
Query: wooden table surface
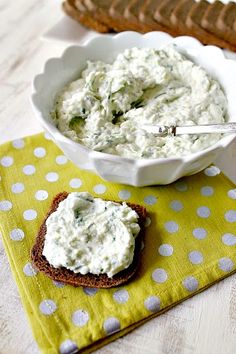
{"x":205,"y":324}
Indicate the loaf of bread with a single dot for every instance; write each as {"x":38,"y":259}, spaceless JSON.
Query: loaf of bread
{"x":211,"y":23}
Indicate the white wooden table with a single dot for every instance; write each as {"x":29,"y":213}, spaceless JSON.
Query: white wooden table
{"x":205,"y":324}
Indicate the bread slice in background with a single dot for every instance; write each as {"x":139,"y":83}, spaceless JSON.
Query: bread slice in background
{"x":210,"y":17}
{"x":99,"y":9}
{"x":88,"y":280}
{"x":146,"y":14}
{"x":179,"y":16}
{"x":117,"y":11}
{"x":84,"y":17}
{"x":163,"y":13}
{"x":131,"y":14}
{"x":226,"y":22}
{"x":194,"y":21}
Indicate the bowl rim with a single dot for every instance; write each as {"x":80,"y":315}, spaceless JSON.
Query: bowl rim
{"x":139,"y":162}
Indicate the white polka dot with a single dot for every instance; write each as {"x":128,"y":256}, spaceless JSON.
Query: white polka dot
{"x":68,"y":347}
{"x":29,"y":170}
{"x":18,"y":188}
{"x":47,"y":136}
{"x":181,"y":186}
{"x":171,"y":226}
{"x":41,"y":194}
{"x":226,"y":264}
{"x":7,"y":161}
{"x":5,"y":205}
{"x":230,"y":216}
{"x":176,"y":205}
{"x":39,"y":152}
{"x":75,"y":183}
{"x":212,"y":171}
{"x":152,"y":304}
{"x":30,"y":214}
{"x":190,"y":284}
{"x":150,"y":200}
{"x":111,"y":325}
{"x":29,"y":270}
{"x":90,"y":291}
{"x":58,"y":284}
{"x":165,"y":250}
{"x":232,"y":193}
{"x":207,"y":191}
{"x":148,"y":221}
{"x":195,"y":257}
{"x":52,"y":177}
{"x":159,"y":275}
{"x":47,"y":307}
{"x":200,"y":233}
{"x":203,"y":212}
{"x":121,"y":296}
{"x":17,"y":234}
{"x":124,"y":194}
{"x":80,"y":318}
{"x":229,"y":239}
{"x":100,"y":189}
{"x":18,"y":143}
{"x":61,"y":160}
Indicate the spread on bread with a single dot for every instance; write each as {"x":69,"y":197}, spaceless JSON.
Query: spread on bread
{"x":91,"y":235}
{"x":126,"y":231}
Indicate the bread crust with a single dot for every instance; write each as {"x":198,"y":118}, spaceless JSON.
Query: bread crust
{"x":226,"y":22}
{"x":83,"y":17}
{"x":146,"y":17}
{"x":88,"y":280}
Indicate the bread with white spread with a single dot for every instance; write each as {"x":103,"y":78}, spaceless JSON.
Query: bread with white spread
{"x":67,"y":276}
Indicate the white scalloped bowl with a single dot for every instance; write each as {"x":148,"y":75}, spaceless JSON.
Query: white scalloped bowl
{"x":137,"y":172}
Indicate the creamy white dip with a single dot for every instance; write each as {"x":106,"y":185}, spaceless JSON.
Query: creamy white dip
{"x":106,"y":107}
{"x":90,"y":235}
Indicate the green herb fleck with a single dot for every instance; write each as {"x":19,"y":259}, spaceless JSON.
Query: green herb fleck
{"x":137,"y":104}
{"x":75,"y":120}
{"x":116,"y":116}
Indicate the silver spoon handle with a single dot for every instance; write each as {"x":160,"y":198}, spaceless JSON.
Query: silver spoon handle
{"x":163,"y":130}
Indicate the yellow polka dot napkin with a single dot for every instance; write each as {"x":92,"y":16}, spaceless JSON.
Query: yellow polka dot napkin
{"x":190,"y":243}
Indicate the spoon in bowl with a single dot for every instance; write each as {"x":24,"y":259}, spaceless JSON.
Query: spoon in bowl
{"x":173,"y":130}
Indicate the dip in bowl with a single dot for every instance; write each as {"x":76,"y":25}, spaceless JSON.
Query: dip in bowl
{"x":95,"y":98}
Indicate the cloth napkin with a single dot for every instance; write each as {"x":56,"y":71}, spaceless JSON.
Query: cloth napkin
{"x":190,"y":244}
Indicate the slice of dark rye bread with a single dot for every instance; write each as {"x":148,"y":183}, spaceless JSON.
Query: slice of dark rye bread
{"x":179,"y":16}
{"x":146,"y":14}
{"x":88,"y":280}
{"x":132,"y":14}
{"x":117,"y":11}
{"x":99,"y":9}
{"x":163,"y":12}
{"x":226,"y":22}
{"x":146,"y":17}
{"x":210,"y":18}
{"x":83,"y":17}
{"x":193,"y":22}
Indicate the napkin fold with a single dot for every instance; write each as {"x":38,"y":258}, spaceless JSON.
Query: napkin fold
{"x":190,"y":244}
